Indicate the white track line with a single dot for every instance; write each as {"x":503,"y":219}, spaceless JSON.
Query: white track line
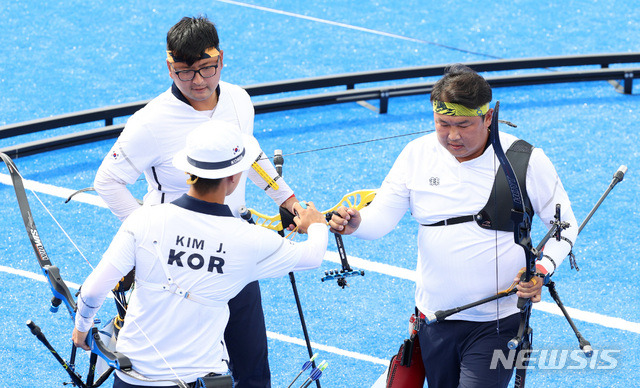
{"x":270,"y":334}
{"x":34,"y":276}
{"x":382,"y":268}
{"x":39,"y":277}
{"x":586,"y":316}
{"x":55,"y":191}
{"x":386,"y":269}
{"x":326,"y":348}
{"x":352,"y":27}
{"x":551,"y":308}
{"x":311,"y":18}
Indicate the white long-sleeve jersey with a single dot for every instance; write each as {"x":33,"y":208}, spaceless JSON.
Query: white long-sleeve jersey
{"x":154,"y":134}
{"x":457,"y":263}
{"x":208,"y":256}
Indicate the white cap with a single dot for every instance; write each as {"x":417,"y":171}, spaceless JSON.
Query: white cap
{"x":217,"y":149}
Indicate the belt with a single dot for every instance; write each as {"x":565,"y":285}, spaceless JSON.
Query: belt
{"x":453,"y":221}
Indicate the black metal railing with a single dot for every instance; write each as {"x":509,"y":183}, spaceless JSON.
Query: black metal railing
{"x":550,"y":74}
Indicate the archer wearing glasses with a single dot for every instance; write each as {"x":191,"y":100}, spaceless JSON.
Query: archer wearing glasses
{"x":155,"y":133}
{"x":189,"y":75}
{"x":199,"y":91}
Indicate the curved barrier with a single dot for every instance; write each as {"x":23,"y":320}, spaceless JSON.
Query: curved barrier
{"x":549,"y":74}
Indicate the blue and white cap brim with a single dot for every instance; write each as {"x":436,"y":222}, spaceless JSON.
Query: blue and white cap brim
{"x":220,"y":169}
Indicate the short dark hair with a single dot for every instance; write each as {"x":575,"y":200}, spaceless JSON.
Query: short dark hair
{"x":202,"y":185}
{"x":462,"y":85}
{"x":190,"y":37}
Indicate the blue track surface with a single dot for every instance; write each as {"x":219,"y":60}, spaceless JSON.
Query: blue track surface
{"x":62,"y":57}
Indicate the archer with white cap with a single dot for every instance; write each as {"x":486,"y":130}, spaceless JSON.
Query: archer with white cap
{"x":151,"y":137}
{"x":191,"y":256}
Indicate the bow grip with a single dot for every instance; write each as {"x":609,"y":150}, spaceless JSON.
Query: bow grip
{"x":114,"y":359}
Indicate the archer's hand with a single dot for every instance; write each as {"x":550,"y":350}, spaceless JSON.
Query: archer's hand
{"x":346,"y":221}
{"x":288,"y":204}
{"x":305,"y":217}
{"x":80,"y":339}
{"x":531,"y":289}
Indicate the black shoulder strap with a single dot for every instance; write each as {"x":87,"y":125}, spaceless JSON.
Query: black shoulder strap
{"x":496,"y":214}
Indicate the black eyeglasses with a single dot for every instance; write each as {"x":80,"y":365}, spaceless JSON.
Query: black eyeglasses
{"x":205,"y":72}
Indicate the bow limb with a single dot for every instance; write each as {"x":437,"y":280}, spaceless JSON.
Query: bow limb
{"x":62,"y":294}
{"x":59,"y":288}
{"x":356,"y":199}
{"x":522,"y":236}
{"x":520,"y":218}
{"x":270,"y":222}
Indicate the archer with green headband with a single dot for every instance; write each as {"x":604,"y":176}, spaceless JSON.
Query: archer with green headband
{"x":452,"y":183}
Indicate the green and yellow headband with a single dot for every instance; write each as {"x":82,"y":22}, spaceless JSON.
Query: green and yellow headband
{"x":453,"y":109}
{"x":211,"y":52}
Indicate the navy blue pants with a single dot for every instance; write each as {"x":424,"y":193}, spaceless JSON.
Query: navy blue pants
{"x":246,"y":339}
{"x":459,"y":353}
